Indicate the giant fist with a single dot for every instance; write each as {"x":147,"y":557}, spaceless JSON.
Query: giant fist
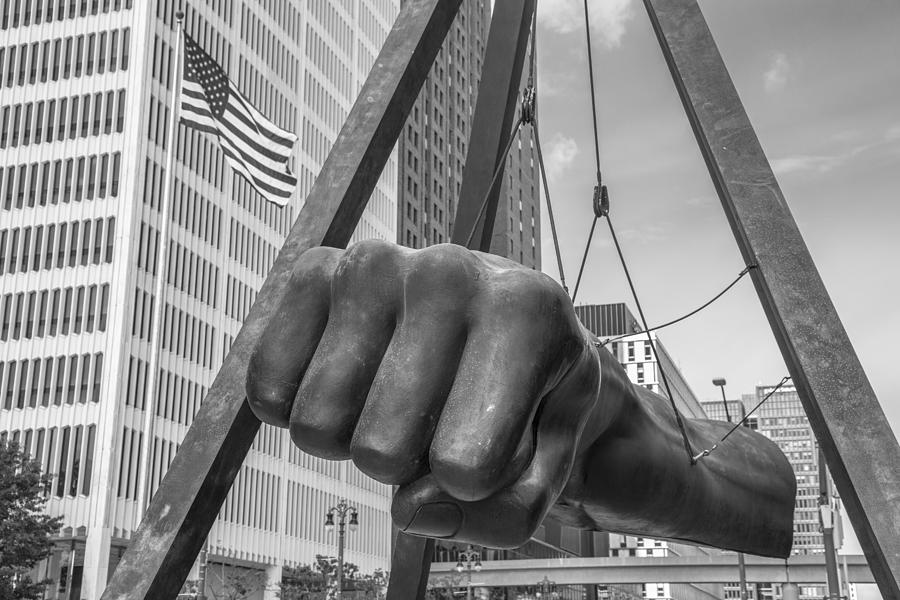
{"x":467,"y":380}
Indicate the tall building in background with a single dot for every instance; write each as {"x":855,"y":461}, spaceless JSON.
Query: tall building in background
{"x":85,"y":94}
{"x":616,"y":323}
{"x":782,"y":419}
{"x":433,"y":147}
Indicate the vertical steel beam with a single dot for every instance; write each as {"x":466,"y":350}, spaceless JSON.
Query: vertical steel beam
{"x":850,"y":425}
{"x":498,"y":91}
{"x":181,"y":513}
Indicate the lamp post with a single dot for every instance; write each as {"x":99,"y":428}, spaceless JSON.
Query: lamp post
{"x":469,"y":560}
{"x":720,"y":382}
{"x":341,"y":510}
{"x":546,"y":588}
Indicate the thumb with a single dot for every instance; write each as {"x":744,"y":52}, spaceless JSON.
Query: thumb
{"x":508,"y":518}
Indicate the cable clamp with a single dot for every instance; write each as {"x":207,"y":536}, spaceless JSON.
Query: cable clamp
{"x":529,"y":100}
{"x":601,"y":201}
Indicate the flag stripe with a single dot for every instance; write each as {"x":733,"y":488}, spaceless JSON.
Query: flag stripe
{"x":241,"y":167}
{"x":278,"y":154}
{"x":255,"y":148}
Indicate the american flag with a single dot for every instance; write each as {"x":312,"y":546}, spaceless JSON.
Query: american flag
{"x":254,"y":146}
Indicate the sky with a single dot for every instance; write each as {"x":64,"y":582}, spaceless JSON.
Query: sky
{"x":820,"y":80}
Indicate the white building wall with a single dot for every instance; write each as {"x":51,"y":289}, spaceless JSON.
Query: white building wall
{"x":302,"y":63}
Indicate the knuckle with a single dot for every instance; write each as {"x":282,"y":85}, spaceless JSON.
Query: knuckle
{"x":315,"y":265}
{"x":445,"y":269}
{"x":365,"y":263}
{"x":269,"y":398}
{"x":467,"y":476}
{"x":379,"y":457}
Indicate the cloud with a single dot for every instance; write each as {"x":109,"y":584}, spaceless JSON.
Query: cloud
{"x":776,"y":76}
{"x":892,"y":133}
{"x":608,"y":18}
{"x":560,"y":155}
{"x":808,"y":162}
{"x":822,"y":163}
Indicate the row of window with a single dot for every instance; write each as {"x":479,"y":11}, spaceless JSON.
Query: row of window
{"x":63,"y":58}
{"x":51,"y":381}
{"x":285,"y":14}
{"x":88,"y":115}
{"x":268,"y":440}
{"x":129,"y":463}
{"x":188,"y":336}
{"x":62,"y":180}
{"x":322,"y":103}
{"x":253,"y":500}
{"x":251,"y":250}
{"x":269,"y":47}
{"x":163,"y":454}
{"x":260,"y":91}
{"x":279,"y":219}
{"x":190,"y":210}
{"x":73,"y":457}
{"x":178,"y":398}
{"x":193,"y":275}
{"x":239,"y":297}
{"x":27,"y":315}
{"x":21,"y":13}
{"x":33,"y":251}
{"x":142,"y":315}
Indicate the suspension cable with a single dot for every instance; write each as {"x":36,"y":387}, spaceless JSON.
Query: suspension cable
{"x":601,"y":208}
{"x":707,"y":452}
{"x":662,"y":372}
{"x":501,"y":166}
{"x":683,"y":317}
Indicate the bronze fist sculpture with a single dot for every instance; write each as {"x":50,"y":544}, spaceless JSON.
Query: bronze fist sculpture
{"x":467,"y":380}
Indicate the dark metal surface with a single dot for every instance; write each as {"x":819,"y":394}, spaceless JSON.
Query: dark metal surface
{"x":861,"y":450}
{"x":498,"y":91}
{"x":410,"y":567}
{"x":185,"y":506}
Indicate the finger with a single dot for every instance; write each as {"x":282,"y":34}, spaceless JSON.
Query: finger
{"x":504,"y":372}
{"x":288,"y":342}
{"x":510,"y":517}
{"x":395,"y":429}
{"x":361,"y":323}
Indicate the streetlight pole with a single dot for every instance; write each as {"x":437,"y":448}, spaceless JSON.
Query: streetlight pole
{"x":469,"y":560}
{"x":546,"y":589}
{"x":826,"y":516}
{"x":720,"y":382}
{"x":341,"y":510}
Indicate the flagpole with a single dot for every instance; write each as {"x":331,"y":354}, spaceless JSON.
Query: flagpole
{"x":162,"y":253}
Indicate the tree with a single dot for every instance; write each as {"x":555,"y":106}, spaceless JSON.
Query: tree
{"x":238,"y":584}
{"x":24,"y":528}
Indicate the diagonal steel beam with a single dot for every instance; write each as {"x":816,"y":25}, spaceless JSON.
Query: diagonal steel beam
{"x":185,"y":506}
{"x":498,"y":91}
{"x":849,"y":424}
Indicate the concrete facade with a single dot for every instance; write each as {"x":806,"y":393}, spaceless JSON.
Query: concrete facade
{"x":86,"y":88}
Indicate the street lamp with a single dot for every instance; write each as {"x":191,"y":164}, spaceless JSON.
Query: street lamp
{"x":546,"y":588}
{"x":719,"y":382}
{"x":342,"y":509}
{"x":469,"y":560}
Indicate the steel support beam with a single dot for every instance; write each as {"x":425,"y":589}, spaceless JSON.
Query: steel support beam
{"x":498,"y":92}
{"x":700,"y":569}
{"x":182,"y":511}
{"x":860,"y":448}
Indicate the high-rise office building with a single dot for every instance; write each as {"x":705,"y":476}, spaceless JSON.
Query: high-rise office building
{"x":616,"y":325}
{"x":86,"y":90}
{"x":782,"y":419}
{"x":433,"y":147}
